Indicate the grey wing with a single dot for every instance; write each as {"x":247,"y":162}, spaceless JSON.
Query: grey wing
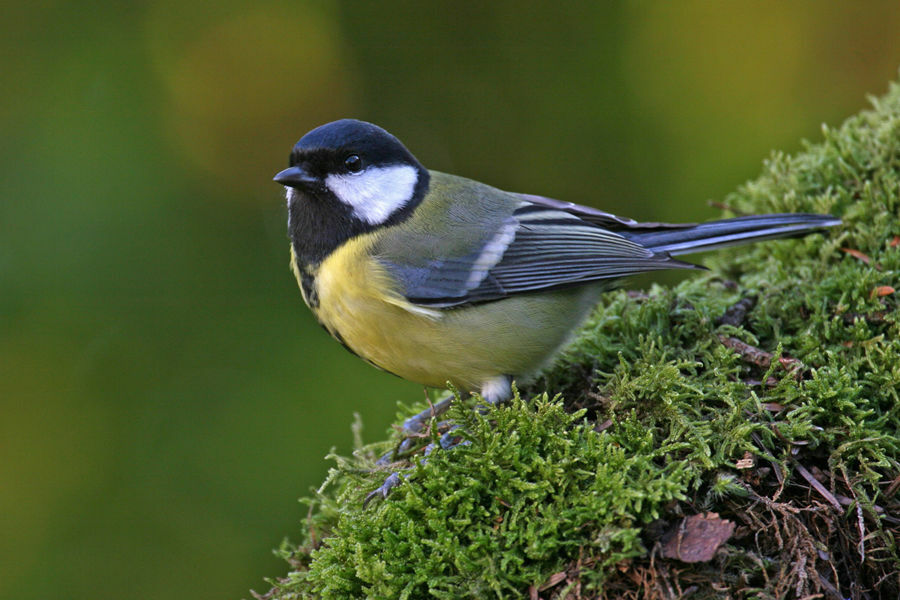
{"x":599,"y":217}
{"x":537,"y":247}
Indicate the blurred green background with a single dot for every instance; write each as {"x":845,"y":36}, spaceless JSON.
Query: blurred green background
{"x":164,"y":395}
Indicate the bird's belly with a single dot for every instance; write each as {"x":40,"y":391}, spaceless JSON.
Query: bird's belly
{"x":465,"y":346}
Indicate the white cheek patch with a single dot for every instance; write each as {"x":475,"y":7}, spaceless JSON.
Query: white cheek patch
{"x":375,"y":193}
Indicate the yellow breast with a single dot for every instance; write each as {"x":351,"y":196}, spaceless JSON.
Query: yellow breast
{"x":359,"y":303}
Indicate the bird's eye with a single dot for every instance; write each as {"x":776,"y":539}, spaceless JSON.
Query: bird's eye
{"x":353,"y":163}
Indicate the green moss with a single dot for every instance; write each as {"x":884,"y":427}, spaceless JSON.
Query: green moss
{"x":657,"y":414}
{"x":494,"y":516}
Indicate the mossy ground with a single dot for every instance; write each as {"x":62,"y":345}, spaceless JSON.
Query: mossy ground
{"x":652,"y":415}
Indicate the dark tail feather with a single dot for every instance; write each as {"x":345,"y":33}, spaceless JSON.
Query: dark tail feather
{"x":730,"y":232}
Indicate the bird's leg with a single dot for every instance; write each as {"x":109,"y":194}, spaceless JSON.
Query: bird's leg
{"x":416,"y":423}
{"x":414,"y":427}
{"x":496,"y":390}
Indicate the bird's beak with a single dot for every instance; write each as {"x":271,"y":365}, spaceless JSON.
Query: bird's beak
{"x":295,"y":177}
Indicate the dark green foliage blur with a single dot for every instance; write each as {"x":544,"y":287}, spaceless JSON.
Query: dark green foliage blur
{"x":164,"y":395}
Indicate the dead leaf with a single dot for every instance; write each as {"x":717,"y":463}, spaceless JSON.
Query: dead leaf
{"x":553,"y":580}
{"x":603,"y":426}
{"x":857,"y":254}
{"x":882,"y":290}
{"x":789,"y":363}
{"x":697,"y":538}
{"x":895,"y":242}
{"x":745,"y":463}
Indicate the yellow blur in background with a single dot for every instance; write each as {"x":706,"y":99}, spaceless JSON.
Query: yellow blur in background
{"x":164,"y":395}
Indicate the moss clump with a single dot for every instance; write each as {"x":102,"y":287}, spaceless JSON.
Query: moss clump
{"x":785,"y":421}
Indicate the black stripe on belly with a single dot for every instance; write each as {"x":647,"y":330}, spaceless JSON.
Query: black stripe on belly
{"x":308,"y":287}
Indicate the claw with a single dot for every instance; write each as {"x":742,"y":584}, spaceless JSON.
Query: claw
{"x":451,"y":440}
{"x":447,"y":442}
{"x":417,"y":423}
{"x":413,"y":428}
{"x":404,"y":447}
{"x":385,"y":459}
{"x":392,"y":481}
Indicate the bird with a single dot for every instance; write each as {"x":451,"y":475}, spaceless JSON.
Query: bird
{"x":440,"y":279}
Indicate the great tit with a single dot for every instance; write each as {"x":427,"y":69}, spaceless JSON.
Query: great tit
{"x":437,"y":278}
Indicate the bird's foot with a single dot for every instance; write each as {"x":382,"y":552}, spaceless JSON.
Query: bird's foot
{"x":449,"y":439}
{"x":417,"y":428}
{"x":496,"y":391}
{"x":390,"y":482}
{"x":417,"y":423}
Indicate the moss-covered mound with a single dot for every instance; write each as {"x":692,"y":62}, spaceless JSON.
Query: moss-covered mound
{"x":736,"y":435}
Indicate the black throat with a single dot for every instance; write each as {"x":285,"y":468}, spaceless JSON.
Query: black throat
{"x":319,"y":223}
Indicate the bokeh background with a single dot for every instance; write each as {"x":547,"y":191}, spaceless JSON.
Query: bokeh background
{"x":164,"y":395}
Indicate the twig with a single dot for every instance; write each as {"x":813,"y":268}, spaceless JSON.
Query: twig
{"x":860,"y":523}
{"x":818,"y":486}
{"x":893,"y":487}
{"x":723,"y":206}
{"x":876,"y":317}
{"x":749,"y":353}
{"x":737,"y":312}
{"x":760,"y":357}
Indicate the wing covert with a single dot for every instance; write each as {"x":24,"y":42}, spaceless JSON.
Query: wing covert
{"x":534,"y":247}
